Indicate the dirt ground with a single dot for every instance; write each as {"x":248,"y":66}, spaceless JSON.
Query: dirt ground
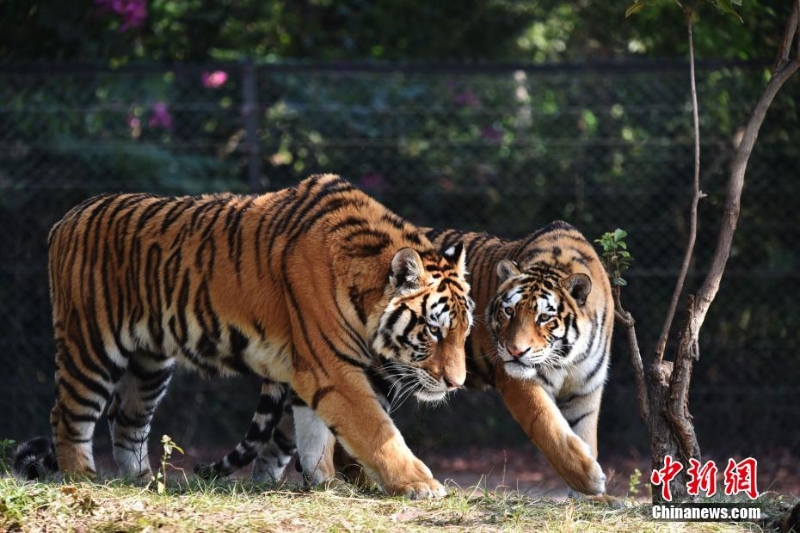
{"x":526,"y":470}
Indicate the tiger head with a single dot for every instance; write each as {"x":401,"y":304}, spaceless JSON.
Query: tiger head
{"x":421,"y":334}
{"x":534,"y":317}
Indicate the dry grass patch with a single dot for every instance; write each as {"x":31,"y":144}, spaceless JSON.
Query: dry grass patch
{"x":242,"y":506}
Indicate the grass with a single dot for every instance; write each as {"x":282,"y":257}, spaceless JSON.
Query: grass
{"x":194,"y":505}
{"x":173,"y":502}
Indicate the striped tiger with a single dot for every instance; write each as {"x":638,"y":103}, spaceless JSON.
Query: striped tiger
{"x":311,"y":287}
{"x":544,"y":345}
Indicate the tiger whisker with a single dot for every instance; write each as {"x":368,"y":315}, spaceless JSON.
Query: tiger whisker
{"x":404,"y":395}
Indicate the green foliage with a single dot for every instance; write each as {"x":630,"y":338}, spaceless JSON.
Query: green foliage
{"x":615,"y":256}
{"x":634,"y":481}
{"x":7,"y":447}
{"x":548,"y":30}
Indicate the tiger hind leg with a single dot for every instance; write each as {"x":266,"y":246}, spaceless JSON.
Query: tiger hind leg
{"x":135,"y":399}
{"x":84,"y":385}
{"x":258,"y":439}
{"x":315,"y":445}
{"x":275,"y":455}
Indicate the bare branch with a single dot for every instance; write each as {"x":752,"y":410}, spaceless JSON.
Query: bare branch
{"x":698,"y":195}
{"x":626,"y":319}
{"x":796,"y":18}
{"x":710,"y":286}
{"x":782,"y":57}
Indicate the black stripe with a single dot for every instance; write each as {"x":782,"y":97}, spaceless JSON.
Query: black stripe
{"x":174,"y":213}
{"x":319,"y":395}
{"x":575,"y":421}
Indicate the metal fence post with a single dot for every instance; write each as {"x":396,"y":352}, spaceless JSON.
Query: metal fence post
{"x":250,"y":115}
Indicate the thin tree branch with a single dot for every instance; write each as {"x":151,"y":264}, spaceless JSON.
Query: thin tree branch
{"x":697,"y":196}
{"x":624,"y":318}
{"x":710,"y":286}
{"x":796,"y":17}
{"x":788,"y":36}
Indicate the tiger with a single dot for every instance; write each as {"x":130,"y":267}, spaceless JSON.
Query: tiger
{"x":310,"y":288}
{"x":544,"y":345}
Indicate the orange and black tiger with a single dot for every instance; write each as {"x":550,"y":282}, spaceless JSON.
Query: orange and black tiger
{"x":544,"y":344}
{"x":310,"y":287}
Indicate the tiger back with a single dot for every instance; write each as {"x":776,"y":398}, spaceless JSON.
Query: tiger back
{"x":310,"y":287}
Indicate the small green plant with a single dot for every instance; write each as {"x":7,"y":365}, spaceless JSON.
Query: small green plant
{"x":161,"y":476}
{"x":616,"y":257}
{"x":634,"y":481}
{"x":6,"y":452}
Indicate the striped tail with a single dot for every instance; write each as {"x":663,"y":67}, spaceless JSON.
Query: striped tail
{"x":35,"y":459}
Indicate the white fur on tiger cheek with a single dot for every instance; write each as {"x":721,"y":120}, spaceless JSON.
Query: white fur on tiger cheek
{"x":379,"y":344}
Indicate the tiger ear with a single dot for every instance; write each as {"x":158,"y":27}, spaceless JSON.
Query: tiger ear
{"x":507,"y":269}
{"x":457,"y":255}
{"x":407,"y":269}
{"x":578,"y":286}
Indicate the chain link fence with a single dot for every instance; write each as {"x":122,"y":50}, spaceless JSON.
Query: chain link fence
{"x":497,"y":148}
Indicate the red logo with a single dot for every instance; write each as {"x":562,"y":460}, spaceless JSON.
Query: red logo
{"x":704,"y":478}
{"x":664,"y":475}
{"x":741,"y":477}
{"x":738,"y":477}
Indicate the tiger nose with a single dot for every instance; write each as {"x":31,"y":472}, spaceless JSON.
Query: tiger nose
{"x":450,"y":384}
{"x":515,"y":351}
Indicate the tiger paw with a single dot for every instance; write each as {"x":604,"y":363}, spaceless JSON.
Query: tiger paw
{"x":419,"y":490}
{"x":579,"y":470}
{"x":600,"y":499}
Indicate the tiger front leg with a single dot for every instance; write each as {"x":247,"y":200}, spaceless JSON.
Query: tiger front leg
{"x":346,"y":403}
{"x":569,"y":455}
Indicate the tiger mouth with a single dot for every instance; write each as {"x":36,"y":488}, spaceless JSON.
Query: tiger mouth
{"x":430,"y":395}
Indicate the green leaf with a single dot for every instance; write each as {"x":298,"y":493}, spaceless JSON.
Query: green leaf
{"x":726,"y":7}
{"x":634,"y":8}
{"x":620,"y":234}
{"x":620,"y":282}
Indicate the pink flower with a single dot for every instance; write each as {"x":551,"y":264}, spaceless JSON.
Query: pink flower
{"x":133,"y":12}
{"x":161,"y":117}
{"x":467,"y":98}
{"x":212,"y":80}
{"x":373,"y":182}
{"x":492,"y":133}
